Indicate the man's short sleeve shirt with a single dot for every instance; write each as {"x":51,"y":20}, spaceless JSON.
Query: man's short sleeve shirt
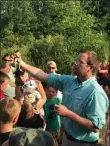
{"x":86,"y":99}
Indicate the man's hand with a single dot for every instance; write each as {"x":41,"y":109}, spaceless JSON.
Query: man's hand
{"x":18,"y":59}
{"x":61,"y":110}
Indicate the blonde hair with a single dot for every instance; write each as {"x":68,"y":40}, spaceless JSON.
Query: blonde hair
{"x":9,"y":109}
{"x":52,"y":62}
{"x":27,"y":110}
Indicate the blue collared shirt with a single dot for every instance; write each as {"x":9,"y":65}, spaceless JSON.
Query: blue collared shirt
{"x":86,"y":99}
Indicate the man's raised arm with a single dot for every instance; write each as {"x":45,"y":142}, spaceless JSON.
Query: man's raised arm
{"x":36,"y":72}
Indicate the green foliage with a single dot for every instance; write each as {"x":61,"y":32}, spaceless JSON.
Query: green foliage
{"x":52,"y":48}
{"x":53,"y":30}
{"x":101,"y":10}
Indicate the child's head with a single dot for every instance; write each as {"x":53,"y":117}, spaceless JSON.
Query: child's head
{"x":29,"y":137}
{"x":51,"y":92}
{"x":9,"y":110}
{"x":27,"y":110}
{"x":22,"y":76}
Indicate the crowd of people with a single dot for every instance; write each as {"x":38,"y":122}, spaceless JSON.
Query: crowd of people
{"x":50,"y":109}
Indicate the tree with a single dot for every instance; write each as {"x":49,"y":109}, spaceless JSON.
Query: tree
{"x":74,"y":30}
{"x":51,"y":30}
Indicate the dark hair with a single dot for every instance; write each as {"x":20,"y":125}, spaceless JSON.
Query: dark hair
{"x":51,"y":87}
{"x":3,"y":76}
{"x":6,"y":55}
{"x":19,"y":73}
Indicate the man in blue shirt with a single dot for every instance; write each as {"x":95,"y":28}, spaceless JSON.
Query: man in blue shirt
{"x":84,"y":104}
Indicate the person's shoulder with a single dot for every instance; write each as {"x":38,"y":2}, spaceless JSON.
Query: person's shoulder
{"x":57,"y":74}
{"x":62,"y":75}
{"x":94,"y":84}
{"x":97,"y":89}
{"x":69,"y":78}
{"x":4,"y":136}
{"x":66,"y":77}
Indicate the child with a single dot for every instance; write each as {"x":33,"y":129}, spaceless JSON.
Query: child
{"x":29,"y":137}
{"x":22,"y":78}
{"x":32,"y":95}
{"x":52,"y":119}
{"x":28,"y":118}
{"x":9,"y":113}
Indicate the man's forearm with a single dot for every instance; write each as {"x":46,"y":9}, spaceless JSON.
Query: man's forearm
{"x":81,"y":121}
{"x":36,"y":72}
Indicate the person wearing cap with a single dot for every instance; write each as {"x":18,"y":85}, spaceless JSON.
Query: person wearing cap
{"x":29,"y":137}
{"x":4,"y":79}
{"x":9,"y":113}
{"x":84,"y":103}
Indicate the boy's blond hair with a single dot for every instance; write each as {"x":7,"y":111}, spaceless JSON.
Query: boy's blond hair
{"x":9,"y":109}
{"x":27,"y":110}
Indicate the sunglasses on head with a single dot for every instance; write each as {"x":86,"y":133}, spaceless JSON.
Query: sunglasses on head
{"x":51,"y":67}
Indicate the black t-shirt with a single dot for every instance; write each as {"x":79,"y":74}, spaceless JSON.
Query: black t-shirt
{"x":4,"y":137}
{"x":35,"y":122}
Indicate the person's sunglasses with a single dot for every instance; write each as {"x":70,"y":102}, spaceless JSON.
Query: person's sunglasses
{"x":7,"y":60}
{"x":51,"y":67}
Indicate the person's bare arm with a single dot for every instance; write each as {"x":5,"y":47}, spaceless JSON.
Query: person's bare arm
{"x":41,"y":101}
{"x":102,"y":71}
{"x":63,"y":111}
{"x":36,"y":72}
